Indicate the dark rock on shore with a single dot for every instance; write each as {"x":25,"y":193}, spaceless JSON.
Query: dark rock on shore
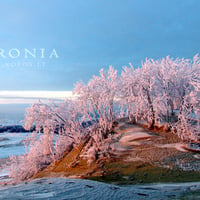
{"x":15,"y":129}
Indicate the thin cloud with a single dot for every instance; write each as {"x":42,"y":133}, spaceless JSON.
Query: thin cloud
{"x":29,"y":97}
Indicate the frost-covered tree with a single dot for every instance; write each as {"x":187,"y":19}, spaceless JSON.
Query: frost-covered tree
{"x":59,"y":128}
{"x":97,"y":98}
{"x":88,"y":120}
{"x":139,"y":91}
{"x":188,"y":100}
{"x":158,"y":90}
{"x":97,"y":102}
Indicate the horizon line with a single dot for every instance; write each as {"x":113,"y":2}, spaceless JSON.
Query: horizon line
{"x":30,"y":96}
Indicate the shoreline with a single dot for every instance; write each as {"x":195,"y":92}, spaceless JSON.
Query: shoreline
{"x":86,"y":189}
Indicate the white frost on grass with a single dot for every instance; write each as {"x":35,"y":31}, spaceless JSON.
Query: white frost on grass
{"x":131,"y":138}
{"x":197,"y":156}
{"x":133,"y":159}
{"x":178,"y":146}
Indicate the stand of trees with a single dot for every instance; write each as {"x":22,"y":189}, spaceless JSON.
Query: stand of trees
{"x":165,"y":91}
{"x":160,"y":92}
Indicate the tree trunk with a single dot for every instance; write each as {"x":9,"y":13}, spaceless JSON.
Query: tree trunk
{"x":152,"y":110}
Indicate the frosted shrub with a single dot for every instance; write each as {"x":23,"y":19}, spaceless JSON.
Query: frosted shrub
{"x":99,"y":148}
{"x":37,"y":156}
{"x":63,"y":145}
{"x":188,"y":124}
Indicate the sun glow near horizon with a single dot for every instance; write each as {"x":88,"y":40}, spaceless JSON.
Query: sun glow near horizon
{"x":28,"y":97}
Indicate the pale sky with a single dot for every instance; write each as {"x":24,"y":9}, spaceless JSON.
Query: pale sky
{"x":89,"y":35}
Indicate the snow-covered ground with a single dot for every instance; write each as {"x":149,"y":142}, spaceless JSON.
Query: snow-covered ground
{"x":61,"y":188}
